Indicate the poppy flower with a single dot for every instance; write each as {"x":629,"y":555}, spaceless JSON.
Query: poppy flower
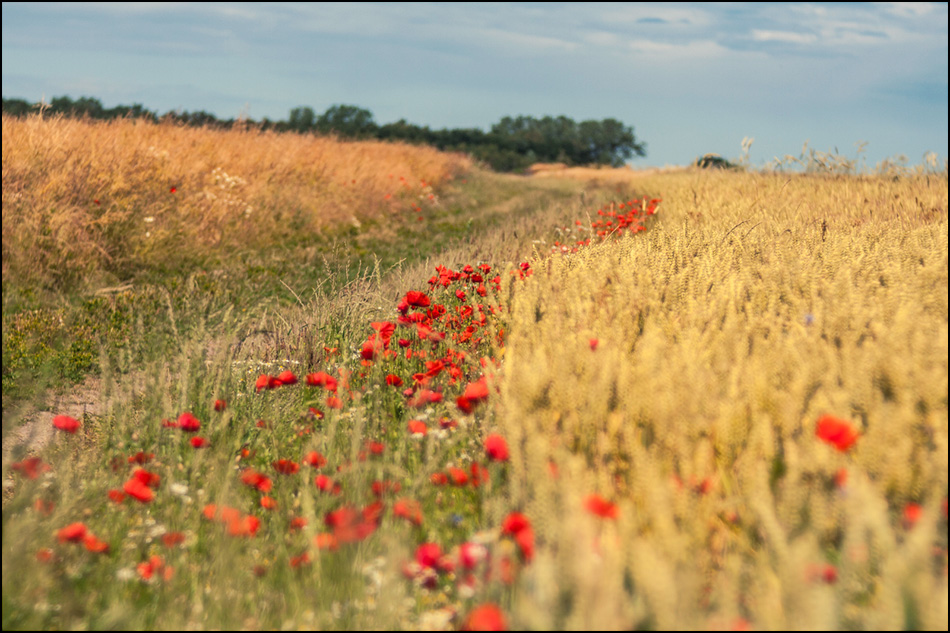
{"x":439,"y":479}
{"x":263,"y":382}
{"x":597,"y":505}
{"x":220,"y":405}
{"x":393,"y":380}
{"x":487,"y":617}
{"x":471,"y":554}
{"x":497,"y":448}
{"x":251,"y":477}
{"x":297,"y":523}
{"x":199,"y":442}
{"x":315,"y":459}
{"x":408,"y":509}
{"x":519,"y":527}
{"x":154,"y":567}
{"x":188,"y":422}
{"x":457,"y":476}
{"x":302,"y":559}
{"x":171,"y":539}
{"x":116,"y":495}
{"x":286,"y":467}
{"x":418,"y":426}
{"x":287,"y":377}
{"x":141,"y":458}
{"x":912,"y":514}
{"x":72,"y":533}
{"x":322,"y":379}
{"x":417,"y":299}
{"x":245,"y":526}
{"x":837,"y":432}
{"x":150,"y":479}
{"x":479,"y":474}
{"x":476,"y":391}
{"x":334,"y":402}
{"x":66,"y":423}
{"x":428,"y":554}
{"x":93,"y":544}
{"x":30,"y":467}
{"x":325,"y":484}
{"x":135,"y":488}
{"x":268,"y":503}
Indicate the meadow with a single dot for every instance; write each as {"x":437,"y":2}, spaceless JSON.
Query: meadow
{"x":405,"y":392}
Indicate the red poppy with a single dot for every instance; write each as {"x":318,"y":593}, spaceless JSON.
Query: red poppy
{"x":595,"y":504}
{"x":116,"y":495}
{"x":220,"y":405}
{"x":457,"y":476}
{"x":286,"y":467}
{"x":322,"y":379}
{"x":257,"y":480}
{"x":471,"y":554}
{"x":66,"y":423}
{"x":315,"y":459}
{"x":476,"y":391}
{"x":417,"y":299}
{"x":302,"y":559}
{"x":171,"y":539}
{"x":912,"y":514}
{"x":428,"y":554}
{"x":287,"y":377}
{"x":95,"y":545}
{"x":30,"y":467}
{"x":393,"y":380}
{"x":263,"y":382}
{"x":199,"y":442}
{"x":497,"y":448}
{"x":479,"y":474}
{"x":297,"y":523}
{"x":72,"y":533}
{"x":486,"y":617}
{"x":268,"y":503}
{"x":418,"y":426}
{"x":188,"y":422}
{"x":141,"y":458}
{"x":325,"y":484}
{"x":245,"y":526}
{"x":135,"y":488}
{"x":836,"y":432}
{"x":439,"y":479}
{"x":155,"y":567}
{"x":518,"y":526}
{"x":593,"y":344}
{"x":408,"y":509}
{"x":150,"y":479}
{"x":44,"y":507}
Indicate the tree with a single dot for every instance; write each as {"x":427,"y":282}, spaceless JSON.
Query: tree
{"x":302,"y":119}
{"x":348,"y":121}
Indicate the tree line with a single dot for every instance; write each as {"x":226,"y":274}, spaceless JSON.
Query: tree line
{"x":512,"y":144}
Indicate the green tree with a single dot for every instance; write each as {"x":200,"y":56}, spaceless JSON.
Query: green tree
{"x":302,"y":119}
{"x":348,"y":121}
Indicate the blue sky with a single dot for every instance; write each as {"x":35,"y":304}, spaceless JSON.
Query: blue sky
{"x":690,"y":78}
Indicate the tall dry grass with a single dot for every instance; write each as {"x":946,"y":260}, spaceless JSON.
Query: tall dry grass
{"x":88,"y":199}
{"x":754,"y":305}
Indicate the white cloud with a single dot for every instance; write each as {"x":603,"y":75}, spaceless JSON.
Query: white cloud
{"x":783,"y":36}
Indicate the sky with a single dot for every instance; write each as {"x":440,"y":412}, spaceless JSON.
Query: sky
{"x":689,"y":78}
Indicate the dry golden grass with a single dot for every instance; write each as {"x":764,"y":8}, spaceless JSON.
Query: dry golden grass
{"x":755,"y":304}
{"x":82,"y":196}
